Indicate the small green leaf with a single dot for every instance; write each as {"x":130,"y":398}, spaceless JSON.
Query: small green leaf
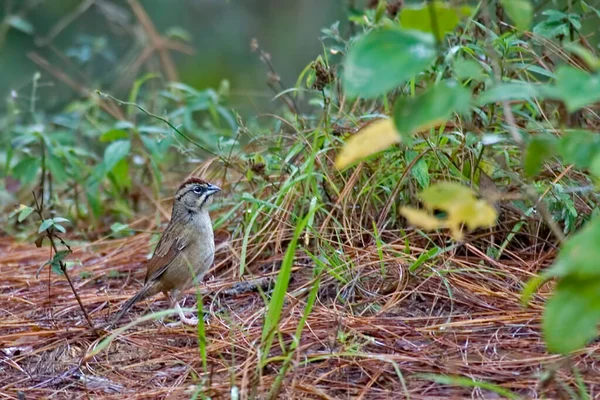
{"x":520,"y":12}
{"x":115,"y":152}
{"x":384,"y":59}
{"x":509,"y":91}
{"x":468,"y":69}
{"x":420,"y":17}
{"x":113,"y":134}
{"x":57,"y":259}
{"x":21,"y":24}
{"x":572,"y":314}
{"x":47,"y":223}
{"x":434,"y":107}
{"x":60,"y":228}
{"x":118,"y":227}
{"x":579,"y":147}
{"x":539,"y":149}
{"x":60,"y":219}
{"x":24,"y":213}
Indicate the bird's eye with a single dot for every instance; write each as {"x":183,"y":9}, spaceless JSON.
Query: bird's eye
{"x":197,"y":189}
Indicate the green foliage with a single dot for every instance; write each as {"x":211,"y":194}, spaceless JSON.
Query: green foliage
{"x":434,"y":107}
{"x":384,"y":59}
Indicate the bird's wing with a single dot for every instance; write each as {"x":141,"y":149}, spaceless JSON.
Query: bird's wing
{"x":167,"y":250}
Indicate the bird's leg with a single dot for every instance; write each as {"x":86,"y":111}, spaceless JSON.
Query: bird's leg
{"x":182,"y":318}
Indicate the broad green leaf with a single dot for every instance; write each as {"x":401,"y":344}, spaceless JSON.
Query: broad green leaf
{"x":520,"y":12}
{"x":432,"y":108}
{"x":576,"y":88}
{"x":59,"y":174}
{"x":420,"y":17}
{"x":373,"y":138}
{"x":509,"y":91}
{"x":586,"y":55}
{"x":384,"y":59}
{"x":579,"y":255}
{"x":120,"y":173}
{"x":579,"y":147}
{"x":27,"y":169}
{"x":115,"y":152}
{"x":539,"y":149}
{"x":113,"y":134}
{"x":60,"y":219}
{"x":572,"y":314}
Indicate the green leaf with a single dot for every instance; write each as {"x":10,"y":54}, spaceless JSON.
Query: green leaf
{"x":60,"y":219}
{"x":21,"y":24}
{"x":121,"y":174}
{"x":60,"y":228}
{"x":520,"y":12}
{"x":508,"y":91}
{"x":576,"y":88}
{"x":468,"y":69}
{"x":24,"y":213}
{"x":113,"y":134}
{"x":27,"y":169}
{"x":539,"y":149}
{"x":118,"y":227}
{"x":420,"y":170}
{"x":114,"y":153}
{"x":572,"y":314}
{"x":384,"y":59}
{"x":579,"y":255}
{"x":579,"y":147}
{"x":434,"y":107}
{"x":56,"y":168}
{"x":57,"y":259}
{"x":420,"y":17}
{"x":47,"y":223}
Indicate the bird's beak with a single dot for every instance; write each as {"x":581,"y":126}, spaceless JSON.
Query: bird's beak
{"x":212,"y":189}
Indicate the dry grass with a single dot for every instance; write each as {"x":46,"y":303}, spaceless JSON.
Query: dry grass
{"x":459,"y":314}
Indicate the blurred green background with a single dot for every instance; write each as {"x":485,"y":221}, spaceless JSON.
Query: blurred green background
{"x":100,"y":44}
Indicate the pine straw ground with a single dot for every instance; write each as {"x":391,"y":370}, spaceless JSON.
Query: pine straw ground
{"x":457,"y":315}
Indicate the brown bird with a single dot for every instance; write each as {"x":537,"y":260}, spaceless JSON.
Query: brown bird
{"x":185,"y":251}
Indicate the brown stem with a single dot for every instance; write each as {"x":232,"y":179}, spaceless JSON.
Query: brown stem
{"x":63,"y":267}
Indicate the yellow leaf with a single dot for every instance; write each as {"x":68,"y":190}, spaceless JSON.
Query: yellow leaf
{"x":446,"y":196}
{"x":422,"y":219}
{"x":459,"y":203}
{"x":373,"y":138}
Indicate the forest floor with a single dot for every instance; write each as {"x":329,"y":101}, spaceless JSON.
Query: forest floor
{"x":379,"y":336}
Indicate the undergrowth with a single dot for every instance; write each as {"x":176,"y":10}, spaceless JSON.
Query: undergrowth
{"x":362,"y":303}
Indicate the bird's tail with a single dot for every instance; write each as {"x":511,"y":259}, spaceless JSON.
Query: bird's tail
{"x":141,"y":295}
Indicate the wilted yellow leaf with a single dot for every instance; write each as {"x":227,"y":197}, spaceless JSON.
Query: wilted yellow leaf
{"x":373,"y":138}
{"x":421,"y":218}
{"x":459,"y":203}
{"x":445,"y":195}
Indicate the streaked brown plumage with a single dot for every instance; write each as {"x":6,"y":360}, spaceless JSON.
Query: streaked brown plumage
{"x":186,"y":250}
